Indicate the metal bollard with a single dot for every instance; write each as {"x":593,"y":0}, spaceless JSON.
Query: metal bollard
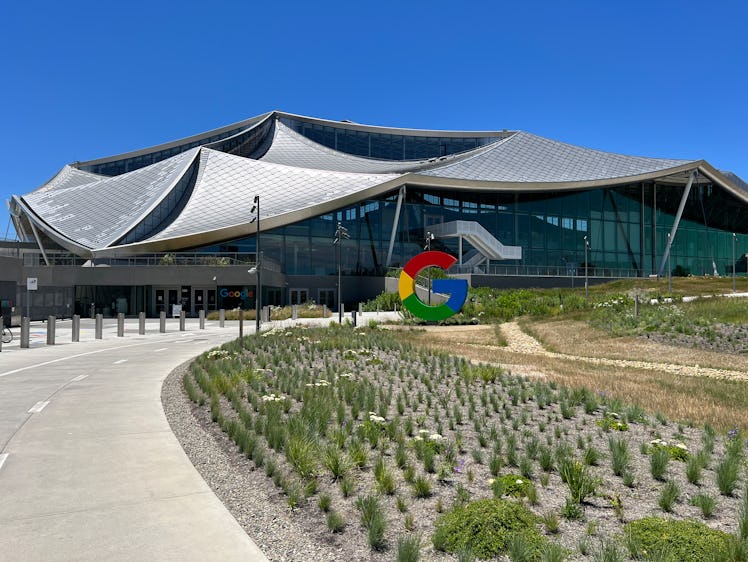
{"x":241,"y":327}
{"x":181,"y":321}
{"x":99,"y":328}
{"x":141,"y":323}
{"x":120,"y":325}
{"x":25,"y":324}
{"x":222,"y":317}
{"x":162,"y":322}
{"x":76,"y":328}
{"x":201,"y":315}
{"x":266,"y":312}
{"x":360,"y":308}
{"x":295,"y":312}
{"x":353,"y":316}
{"x":324,"y":311}
{"x":51,"y":320}
{"x":93,"y":311}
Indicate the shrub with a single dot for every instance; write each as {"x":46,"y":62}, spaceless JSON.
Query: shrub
{"x":705,"y":503}
{"x":668,"y":496}
{"x":335,"y":522}
{"x":611,"y":422}
{"x":727,"y":475}
{"x":608,"y":552}
{"x":550,"y":520}
{"x":658,"y":463}
{"x":511,"y":485}
{"x":335,"y":461}
{"x":486,"y":527}
{"x":693,"y":470}
{"x":302,"y":453}
{"x":409,"y":549}
{"x":620,"y":455}
{"x":324,"y":502}
{"x":553,"y":552}
{"x":578,"y":478}
{"x":685,"y":541}
{"x":422,"y":487}
{"x":373,"y":519}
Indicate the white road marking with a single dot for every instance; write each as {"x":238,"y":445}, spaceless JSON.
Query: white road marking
{"x":120,"y":361}
{"x":38,"y":407}
{"x":78,"y":378}
{"x":3,"y":458}
{"x":68,"y":357}
{"x":160,"y":349}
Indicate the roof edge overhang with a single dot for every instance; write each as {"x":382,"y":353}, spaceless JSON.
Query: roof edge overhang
{"x":716,"y":176}
{"x":51,"y":232}
{"x":246,"y":229}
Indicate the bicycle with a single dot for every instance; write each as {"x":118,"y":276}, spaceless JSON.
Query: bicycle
{"x":7,"y":335}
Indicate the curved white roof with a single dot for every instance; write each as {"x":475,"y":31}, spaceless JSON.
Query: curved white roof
{"x":297,"y":178}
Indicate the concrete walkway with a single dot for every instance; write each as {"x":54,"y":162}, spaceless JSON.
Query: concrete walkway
{"x":89,"y":468}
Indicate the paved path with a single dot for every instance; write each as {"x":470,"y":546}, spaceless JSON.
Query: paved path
{"x":90,"y":469}
{"x":520,"y":342}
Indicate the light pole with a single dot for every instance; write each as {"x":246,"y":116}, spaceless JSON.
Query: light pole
{"x":427,"y":247}
{"x":734,"y":239}
{"x":586,"y":270}
{"x":340,"y":233}
{"x":669,"y":271}
{"x":258,"y":264}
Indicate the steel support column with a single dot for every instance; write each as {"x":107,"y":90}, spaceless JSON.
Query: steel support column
{"x":678,"y":215}
{"x":400,"y":197}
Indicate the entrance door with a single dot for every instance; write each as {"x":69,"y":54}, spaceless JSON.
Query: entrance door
{"x":160,"y":302}
{"x":327,"y":296}
{"x":198,"y":298}
{"x":298,"y":296}
{"x":173,"y":296}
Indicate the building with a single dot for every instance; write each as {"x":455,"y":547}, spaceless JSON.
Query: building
{"x":178,"y":223}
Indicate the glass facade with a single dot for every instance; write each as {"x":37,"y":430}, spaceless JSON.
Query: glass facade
{"x":385,"y":145}
{"x":627,"y":228}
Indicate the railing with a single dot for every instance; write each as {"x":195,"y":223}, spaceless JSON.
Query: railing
{"x":176,"y":259}
{"x":559,"y":271}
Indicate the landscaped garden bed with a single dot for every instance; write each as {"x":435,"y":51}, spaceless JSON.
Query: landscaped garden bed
{"x":384,"y":450}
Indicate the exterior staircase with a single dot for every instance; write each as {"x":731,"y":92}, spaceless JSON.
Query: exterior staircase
{"x":486,"y":245}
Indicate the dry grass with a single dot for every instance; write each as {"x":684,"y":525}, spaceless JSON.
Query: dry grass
{"x":722,"y":403}
{"x":576,"y":337}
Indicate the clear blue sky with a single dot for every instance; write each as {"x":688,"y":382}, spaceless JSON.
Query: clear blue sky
{"x":83,"y":80}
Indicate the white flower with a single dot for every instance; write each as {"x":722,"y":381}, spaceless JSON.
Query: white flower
{"x":435,"y":437}
{"x":491,"y":481}
{"x":681,"y":446}
{"x":424,"y":431}
{"x":518,"y":481}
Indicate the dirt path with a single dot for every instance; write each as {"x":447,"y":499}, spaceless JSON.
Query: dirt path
{"x":522,"y":343}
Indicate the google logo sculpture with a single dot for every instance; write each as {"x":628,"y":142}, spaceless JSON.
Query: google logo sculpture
{"x":456,"y":288}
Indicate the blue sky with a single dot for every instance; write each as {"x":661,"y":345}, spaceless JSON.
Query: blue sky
{"x":83,"y":80}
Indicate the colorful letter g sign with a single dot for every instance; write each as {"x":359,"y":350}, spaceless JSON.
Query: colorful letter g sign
{"x":456,"y":288}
